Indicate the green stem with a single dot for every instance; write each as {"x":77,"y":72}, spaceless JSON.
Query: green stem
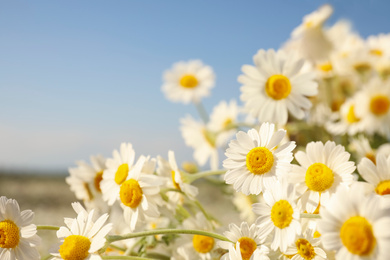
{"x":307,"y":215}
{"x":202,"y":112}
{"x":126,"y":257}
{"x":41,"y":227}
{"x":165,"y":232}
{"x":46,"y":257}
{"x":193,"y":177}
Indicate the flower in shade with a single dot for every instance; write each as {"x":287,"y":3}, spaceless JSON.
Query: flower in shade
{"x":188,"y":81}
{"x":18,"y":238}
{"x":355,"y":225}
{"x":256,"y":158}
{"x":279,"y":215}
{"x":275,"y":86}
{"x":83,"y":236}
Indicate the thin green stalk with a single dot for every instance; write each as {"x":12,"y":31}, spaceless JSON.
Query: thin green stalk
{"x":202,"y":112}
{"x":165,"y":232}
{"x":307,"y":215}
{"x":41,"y":227}
{"x":193,"y":177}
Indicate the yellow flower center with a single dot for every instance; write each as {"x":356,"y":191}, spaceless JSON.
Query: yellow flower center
{"x":376,"y":52}
{"x":326,"y":67}
{"x":316,"y":234}
{"x":281,"y":214}
{"x":210,"y":137}
{"x":121,"y":173}
{"x":309,"y":24}
{"x":319,"y":177}
{"x":371,"y":156}
{"x":189,"y":81}
{"x":203,"y":244}
{"x":131,"y":193}
{"x":97,"y":180}
{"x":227,"y":124}
{"x":75,"y":247}
{"x":383,"y":188}
{"x":305,"y":249}
{"x":362,"y":67}
{"x":379,"y":105}
{"x":278,"y":87}
{"x":259,"y":160}
{"x":9,"y":234}
{"x":351,"y":117}
{"x":357,"y":236}
{"x":175,"y":184}
{"x":247,"y":247}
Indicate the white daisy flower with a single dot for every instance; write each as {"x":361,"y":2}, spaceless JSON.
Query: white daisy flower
{"x":246,"y":236}
{"x":235,"y":253}
{"x":322,"y":169}
{"x":275,"y":86}
{"x":374,"y":107}
{"x":223,"y":121}
{"x":200,"y":247}
{"x":188,"y":82}
{"x":345,"y":121}
{"x":378,"y":45}
{"x":305,"y":247}
{"x":18,"y":238}
{"x":201,"y":139}
{"x":243,"y":204}
{"x":361,"y":146}
{"x":85,"y":181}
{"x":355,"y":225}
{"x":139,"y":194}
{"x":117,"y":171}
{"x":256,"y":158}
{"x":378,"y":176}
{"x":82,"y":237}
{"x":279,"y":215}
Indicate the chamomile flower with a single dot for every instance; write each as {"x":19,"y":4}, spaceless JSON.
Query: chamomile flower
{"x":117,"y":172}
{"x":275,"y":86}
{"x":345,"y":121}
{"x":378,"y":176}
{"x":171,"y":172}
{"x":361,"y":146}
{"x":322,"y":169}
{"x":305,"y":247}
{"x":247,"y":237}
{"x":235,"y":253}
{"x":84,"y":181}
{"x":379,"y":45}
{"x":279,"y":215}
{"x":201,"y":139}
{"x":18,"y":238}
{"x":83,"y":236}
{"x":355,"y":225}
{"x":256,"y":158}
{"x":243,"y":204}
{"x":188,"y":81}
{"x":374,"y":107}
{"x":139,"y":194}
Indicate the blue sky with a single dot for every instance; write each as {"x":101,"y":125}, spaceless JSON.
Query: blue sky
{"x":80,"y":77}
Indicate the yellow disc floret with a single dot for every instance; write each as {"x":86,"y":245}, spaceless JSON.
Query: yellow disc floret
{"x":121,"y":173}
{"x":325,"y":67}
{"x":319,"y":177}
{"x":357,"y":236}
{"x":9,"y":234}
{"x":203,"y":244}
{"x":247,"y":247}
{"x":189,"y":81}
{"x":278,"y":87}
{"x":281,"y":214}
{"x":131,"y":193}
{"x":379,"y":105}
{"x":98,"y":179}
{"x":376,"y":52}
{"x":259,"y":160}
{"x":75,"y":247}
{"x":351,"y":116}
{"x":383,"y":188}
{"x":305,"y":249}
{"x":175,"y":184}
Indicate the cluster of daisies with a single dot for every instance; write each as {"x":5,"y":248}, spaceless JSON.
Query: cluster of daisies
{"x":306,"y":165}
